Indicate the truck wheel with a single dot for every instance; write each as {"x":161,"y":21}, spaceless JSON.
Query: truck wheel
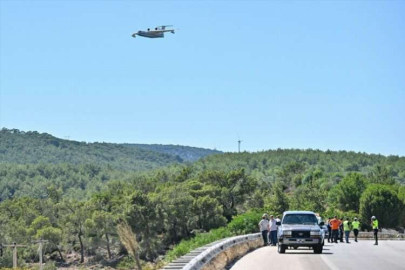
{"x":281,"y":248}
{"x":318,"y":249}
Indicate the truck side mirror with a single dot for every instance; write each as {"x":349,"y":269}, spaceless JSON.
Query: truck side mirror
{"x":321,"y":224}
{"x":278,"y":223}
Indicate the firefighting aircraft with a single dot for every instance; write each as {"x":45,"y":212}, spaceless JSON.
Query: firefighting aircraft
{"x":158,"y":32}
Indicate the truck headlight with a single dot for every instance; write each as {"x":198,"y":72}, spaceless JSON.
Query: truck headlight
{"x":287,"y":233}
{"x":315,"y":233}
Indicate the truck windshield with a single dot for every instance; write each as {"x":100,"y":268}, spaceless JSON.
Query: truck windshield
{"x":300,"y":219}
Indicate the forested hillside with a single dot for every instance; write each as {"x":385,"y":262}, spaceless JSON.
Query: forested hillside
{"x":186,"y":153}
{"x":275,"y":164}
{"x":19,"y":147}
{"x":86,"y":208}
{"x":71,"y":181}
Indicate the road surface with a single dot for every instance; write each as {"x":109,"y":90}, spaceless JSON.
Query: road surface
{"x":363,"y":255}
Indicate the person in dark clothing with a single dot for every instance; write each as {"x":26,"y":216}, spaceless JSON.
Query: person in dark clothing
{"x":341,"y":229}
{"x":374,"y":223}
{"x":273,"y":230}
{"x":329,"y":226}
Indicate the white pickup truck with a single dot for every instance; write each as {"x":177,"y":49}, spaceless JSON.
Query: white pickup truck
{"x":300,"y":229}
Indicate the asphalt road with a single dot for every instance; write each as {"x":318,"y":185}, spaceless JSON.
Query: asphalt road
{"x":363,"y":255}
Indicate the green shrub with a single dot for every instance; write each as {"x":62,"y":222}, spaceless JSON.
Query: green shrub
{"x":241,"y":224}
{"x":199,"y":240}
{"x":50,"y":266}
{"x":126,"y":263}
{"x":246,"y":223}
{"x":381,"y":201}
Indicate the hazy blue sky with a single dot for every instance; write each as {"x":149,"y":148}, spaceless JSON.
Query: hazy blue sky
{"x":301,"y":74}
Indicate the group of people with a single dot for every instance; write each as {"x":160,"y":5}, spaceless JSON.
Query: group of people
{"x":268,"y":228}
{"x":337,"y":227}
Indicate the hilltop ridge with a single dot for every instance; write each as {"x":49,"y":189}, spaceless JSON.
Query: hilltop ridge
{"x":32,"y":147}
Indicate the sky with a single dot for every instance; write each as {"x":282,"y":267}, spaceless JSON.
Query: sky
{"x":275,"y":74}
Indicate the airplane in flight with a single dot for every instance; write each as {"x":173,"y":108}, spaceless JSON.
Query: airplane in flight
{"x":158,"y":32}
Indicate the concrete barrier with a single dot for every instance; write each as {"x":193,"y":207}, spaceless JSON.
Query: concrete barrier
{"x":216,"y":255}
{"x":381,"y":235}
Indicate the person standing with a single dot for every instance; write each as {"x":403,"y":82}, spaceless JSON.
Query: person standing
{"x":273,"y":230}
{"x":264,"y":229}
{"x":334,"y":223}
{"x":374,"y":223}
{"x":341,"y":229}
{"x":318,"y":217}
{"x":356,"y":227}
{"x":346,"y":227}
{"x":329,"y":226}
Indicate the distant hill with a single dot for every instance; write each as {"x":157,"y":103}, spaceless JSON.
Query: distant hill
{"x":19,"y":147}
{"x":186,"y":153}
{"x":272,"y":164}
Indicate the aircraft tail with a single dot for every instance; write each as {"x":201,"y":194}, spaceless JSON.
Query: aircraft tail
{"x":164,"y":26}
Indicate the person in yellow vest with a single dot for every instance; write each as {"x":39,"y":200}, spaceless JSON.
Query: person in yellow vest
{"x":356,"y":227}
{"x":346,"y":227}
{"x":374,"y":223}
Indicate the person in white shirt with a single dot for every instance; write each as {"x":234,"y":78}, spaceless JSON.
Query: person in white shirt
{"x":318,"y":217}
{"x":264,"y":228}
{"x":273,"y":230}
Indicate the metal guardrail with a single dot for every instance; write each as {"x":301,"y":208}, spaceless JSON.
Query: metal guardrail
{"x":198,"y":258}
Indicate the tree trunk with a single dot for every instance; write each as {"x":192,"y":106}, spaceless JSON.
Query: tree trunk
{"x":232,"y":202}
{"x":174,"y":229}
{"x":108,"y":246}
{"x":81,"y":248}
{"x":60,"y":254}
{"x":138,"y":262}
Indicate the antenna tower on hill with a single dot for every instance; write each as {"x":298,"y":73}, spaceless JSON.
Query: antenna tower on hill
{"x":239,"y":142}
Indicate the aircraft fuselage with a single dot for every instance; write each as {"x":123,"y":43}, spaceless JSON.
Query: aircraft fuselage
{"x":150,"y":34}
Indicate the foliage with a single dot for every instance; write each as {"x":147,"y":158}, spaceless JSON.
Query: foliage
{"x":128,"y":239}
{"x":310,"y":198}
{"x":183,"y":153}
{"x":246,"y":223}
{"x":382,"y":175}
{"x":76,"y":198}
{"x":346,"y":195}
{"x":401,"y":196}
{"x":233,"y":188}
{"x":278,"y":201}
{"x":241,"y":224}
{"x":381,"y":201}
{"x":198,"y":241}
{"x":21,"y":147}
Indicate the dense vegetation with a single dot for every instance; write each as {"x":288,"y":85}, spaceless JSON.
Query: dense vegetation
{"x":96,"y":210}
{"x":19,"y":147}
{"x":186,"y":153}
{"x":73,"y":181}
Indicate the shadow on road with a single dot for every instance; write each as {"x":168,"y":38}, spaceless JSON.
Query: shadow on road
{"x":306,"y":253}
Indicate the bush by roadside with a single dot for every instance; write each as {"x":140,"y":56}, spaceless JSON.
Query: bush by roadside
{"x":241,"y":224}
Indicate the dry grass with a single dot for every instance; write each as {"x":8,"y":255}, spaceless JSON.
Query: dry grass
{"x":128,"y":239}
